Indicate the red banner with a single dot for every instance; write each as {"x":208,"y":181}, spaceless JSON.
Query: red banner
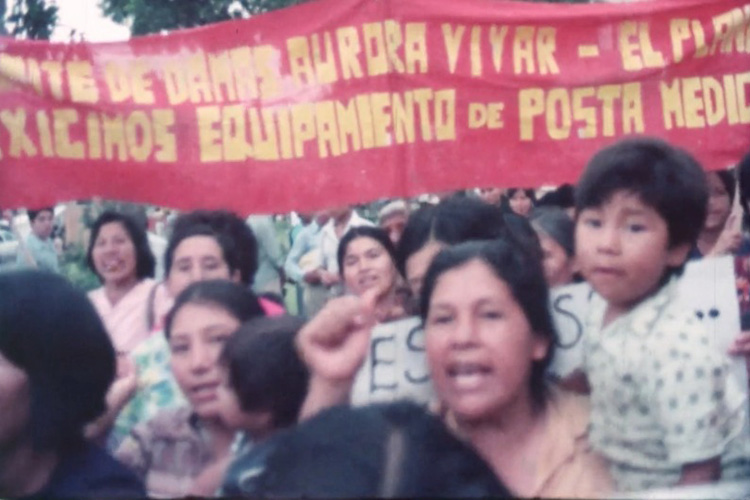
{"x":337,"y":101}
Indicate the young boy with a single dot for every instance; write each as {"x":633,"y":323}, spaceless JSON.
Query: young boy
{"x":665,"y":410}
{"x":38,"y":251}
{"x":265,"y":383}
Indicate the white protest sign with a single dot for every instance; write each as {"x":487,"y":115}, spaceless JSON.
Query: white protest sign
{"x":396,"y":365}
{"x":707,"y":287}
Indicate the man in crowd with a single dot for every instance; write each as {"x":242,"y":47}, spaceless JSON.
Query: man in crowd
{"x":38,"y":251}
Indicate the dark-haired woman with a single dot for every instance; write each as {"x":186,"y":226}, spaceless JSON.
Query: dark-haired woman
{"x":119,"y":255}
{"x":56,"y":363}
{"x":489,"y":338}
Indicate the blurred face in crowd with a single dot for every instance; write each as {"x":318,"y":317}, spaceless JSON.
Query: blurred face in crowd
{"x":114,"y":254}
{"x":480,"y":345}
{"x":491,"y":195}
{"x":719,"y":203}
{"x":199,"y":332}
{"x":417,"y":264}
{"x":197,"y":258}
{"x":43,"y":224}
{"x":622,"y":249}
{"x":368,"y":265}
{"x":520,"y":203}
{"x":558,"y":267}
{"x":394,"y":225}
{"x":15,"y":402}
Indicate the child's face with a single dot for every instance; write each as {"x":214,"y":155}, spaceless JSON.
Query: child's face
{"x":622,"y":248}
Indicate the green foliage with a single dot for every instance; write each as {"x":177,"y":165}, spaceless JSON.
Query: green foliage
{"x":73,"y":266}
{"x":32,"y":19}
{"x":145,"y":17}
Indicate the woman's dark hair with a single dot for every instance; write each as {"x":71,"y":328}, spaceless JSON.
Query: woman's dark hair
{"x":265,"y":370}
{"x":375,"y":233}
{"x":556,"y":224}
{"x":234,"y":236}
{"x":236,"y":299}
{"x":144,"y":259}
{"x":522,"y":273}
{"x":378,"y":451}
{"x":728,"y":181}
{"x":52,"y":332}
{"x":452,"y":221}
{"x":505,"y":200}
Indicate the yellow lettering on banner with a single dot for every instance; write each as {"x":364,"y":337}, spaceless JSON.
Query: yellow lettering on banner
{"x":584,"y":113}
{"x":477,"y":115}
{"x":54,"y":70}
{"x":671,"y":102}
{"x":445,"y":115}
{"x":64,"y":147}
{"x":415,"y":48}
{"x":639,"y":54}
{"x":13,"y":67}
{"x":45,"y":134}
{"x":199,"y":84}
{"x":523,"y":50}
{"x":530,"y":105}
{"x":347,"y":41}
{"x":743,"y":80}
{"x":393,"y":41}
{"x":234,"y":134}
{"x":558,"y":98}
{"x":81,"y":82}
{"x":495,"y":115}
{"x":452,"y":40}
{"x":692,"y":105}
{"x":423,"y":97}
{"x":141,"y":81}
{"x":632,"y":108}
{"x":94,"y":136}
{"x":697,"y":102}
{"x":222,"y":78}
{"x":729,"y":31}
{"x":607,"y":94}
{"x":209,"y":135}
{"x":268,"y":79}
{"x":15,"y":124}
{"x":325,"y":120}
{"x":730,"y":97}
{"x":364,"y":116}
{"x":679,"y":32}
{"x":325,"y":65}
{"x":285,"y":132}
{"x":245,"y":80}
{"x":300,"y":64}
{"x":377,"y":62}
{"x":701,"y":47}
{"x":33,"y":74}
{"x":713,"y":100}
{"x":403,"y":117}
{"x":497,"y":40}
{"x":546,"y":46}
{"x":164,"y":138}
{"x":346,"y":116}
{"x":476,"y":51}
{"x":138,"y":134}
{"x":114,"y":137}
{"x":265,"y":145}
{"x":303,"y":127}
{"x":381,"y":117}
{"x":175,"y":82}
{"x":118,"y":85}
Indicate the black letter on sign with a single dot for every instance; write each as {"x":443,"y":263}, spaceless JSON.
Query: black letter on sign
{"x":375,"y":361}
{"x":415,"y":343}
{"x":557,"y":307}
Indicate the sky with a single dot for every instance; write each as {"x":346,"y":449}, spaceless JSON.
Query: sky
{"x":85,"y":17}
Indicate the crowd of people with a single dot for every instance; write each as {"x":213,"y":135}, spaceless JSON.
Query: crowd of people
{"x":201,"y":383}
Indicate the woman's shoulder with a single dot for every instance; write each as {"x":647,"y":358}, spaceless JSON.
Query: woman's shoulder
{"x":571,"y":410}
